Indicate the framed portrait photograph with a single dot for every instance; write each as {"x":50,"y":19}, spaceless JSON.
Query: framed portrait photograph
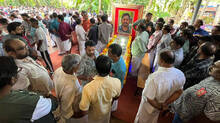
{"x":123,"y":16}
{"x":125,"y":21}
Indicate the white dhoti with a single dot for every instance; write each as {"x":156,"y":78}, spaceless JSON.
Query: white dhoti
{"x":115,"y":105}
{"x":53,"y":40}
{"x":146,"y":113}
{"x":100,"y":46}
{"x":82,"y":48}
{"x":136,"y":63}
{"x":63,"y":46}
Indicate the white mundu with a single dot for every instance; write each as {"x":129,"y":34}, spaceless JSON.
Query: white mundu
{"x":159,"y":89}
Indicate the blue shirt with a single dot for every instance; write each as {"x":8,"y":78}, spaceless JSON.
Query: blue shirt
{"x":119,"y":70}
{"x":201,"y":32}
{"x":55,"y":24}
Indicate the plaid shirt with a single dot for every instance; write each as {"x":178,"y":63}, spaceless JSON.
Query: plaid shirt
{"x":196,"y":70}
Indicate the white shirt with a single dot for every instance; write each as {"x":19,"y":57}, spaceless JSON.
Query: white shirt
{"x":160,"y":85}
{"x":42,"y":108}
{"x":80,"y":32}
{"x":178,"y":57}
{"x":33,"y":77}
{"x":97,"y":97}
{"x":41,"y":35}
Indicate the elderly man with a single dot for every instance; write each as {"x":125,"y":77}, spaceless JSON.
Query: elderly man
{"x":97,"y":96}
{"x":158,"y":90}
{"x":21,"y":106}
{"x":202,"y":98}
{"x":67,"y":87}
{"x":125,"y":26}
{"x":87,"y":69}
{"x":32,"y":76}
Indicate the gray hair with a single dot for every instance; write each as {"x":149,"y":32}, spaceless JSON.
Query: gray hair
{"x":70,"y":61}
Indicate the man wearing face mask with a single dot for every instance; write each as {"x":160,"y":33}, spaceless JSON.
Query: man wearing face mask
{"x":202,"y":98}
{"x":33,"y":76}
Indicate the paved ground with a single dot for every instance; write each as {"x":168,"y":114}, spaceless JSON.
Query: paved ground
{"x":115,"y":120}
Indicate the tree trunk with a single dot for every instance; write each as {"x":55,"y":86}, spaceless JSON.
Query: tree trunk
{"x":5,"y":2}
{"x":180,"y":12}
{"x":37,"y":3}
{"x":62,"y":3}
{"x":100,"y":5}
{"x":149,"y":5}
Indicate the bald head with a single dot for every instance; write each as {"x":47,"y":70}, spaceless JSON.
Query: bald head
{"x":214,"y":70}
{"x":208,"y":49}
{"x":167,"y":57}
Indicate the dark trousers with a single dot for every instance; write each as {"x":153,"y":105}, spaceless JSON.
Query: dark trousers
{"x":45,"y":55}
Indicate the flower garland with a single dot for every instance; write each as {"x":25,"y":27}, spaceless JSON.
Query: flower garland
{"x":105,"y":51}
{"x":127,"y":57}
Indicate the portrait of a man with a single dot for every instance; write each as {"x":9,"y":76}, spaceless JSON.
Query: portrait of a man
{"x":125,"y":26}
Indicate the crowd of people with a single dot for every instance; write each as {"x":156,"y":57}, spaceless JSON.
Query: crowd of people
{"x":183,"y":75}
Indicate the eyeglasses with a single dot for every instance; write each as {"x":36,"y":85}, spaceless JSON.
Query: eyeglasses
{"x":22,"y":48}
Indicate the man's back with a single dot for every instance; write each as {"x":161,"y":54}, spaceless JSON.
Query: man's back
{"x":97,"y":96}
{"x":19,"y":106}
{"x":68,"y":91}
{"x":162,"y":89}
{"x":159,"y":86}
{"x":105,"y":31}
{"x":93,"y":33}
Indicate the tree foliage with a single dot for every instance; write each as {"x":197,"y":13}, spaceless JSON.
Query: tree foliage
{"x":160,"y":8}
